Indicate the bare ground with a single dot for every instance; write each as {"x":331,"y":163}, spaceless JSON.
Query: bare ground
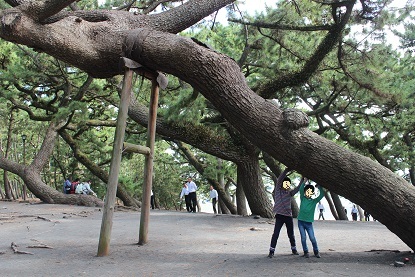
{"x":182,"y":244}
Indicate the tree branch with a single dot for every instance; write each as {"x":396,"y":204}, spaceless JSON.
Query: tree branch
{"x":268,"y":90}
{"x":40,"y":10}
{"x":178,"y":19}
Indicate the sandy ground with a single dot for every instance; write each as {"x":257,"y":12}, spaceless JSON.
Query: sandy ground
{"x":183,"y":244}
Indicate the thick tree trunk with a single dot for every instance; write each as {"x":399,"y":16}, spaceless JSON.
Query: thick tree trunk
{"x":339,"y":206}
{"x":294,"y":207}
{"x":412,"y":175}
{"x":249,"y":178}
{"x":223,"y":209}
{"x":327,"y":195}
{"x":241,"y":200}
{"x":7,"y":188}
{"x":361,"y":214}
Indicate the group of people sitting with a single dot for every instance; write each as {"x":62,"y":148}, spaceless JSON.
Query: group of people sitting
{"x":77,"y":187}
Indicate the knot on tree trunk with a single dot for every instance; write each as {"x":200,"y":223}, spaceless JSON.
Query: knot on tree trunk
{"x":9,"y":22}
{"x":295,"y":119}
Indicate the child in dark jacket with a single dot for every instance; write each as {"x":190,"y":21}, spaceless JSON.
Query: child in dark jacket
{"x":283,"y":213}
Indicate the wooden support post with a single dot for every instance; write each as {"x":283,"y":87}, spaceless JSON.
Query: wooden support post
{"x":148,"y":168}
{"x":106,"y":224}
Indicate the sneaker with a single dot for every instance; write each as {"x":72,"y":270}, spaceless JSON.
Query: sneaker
{"x":295,"y":252}
{"x":306,"y":255}
{"x":271,"y":254}
{"x":317,"y":254}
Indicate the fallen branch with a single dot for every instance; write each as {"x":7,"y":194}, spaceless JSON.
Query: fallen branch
{"x":257,"y":229}
{"x":40,"y":246}
{"x":383,"y":250}
{"x":16,"y":251}
{"x":43,"y":218}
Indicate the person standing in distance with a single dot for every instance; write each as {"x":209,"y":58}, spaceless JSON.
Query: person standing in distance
{"x":152,"y":200}
{"x":214,"y":196}
{"x":185,"y":193}
{"x":321,"y":209}
{"x":191,"y":186}
{"x":354,"y":213}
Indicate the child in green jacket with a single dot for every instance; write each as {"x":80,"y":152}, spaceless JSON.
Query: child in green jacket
{"x":306,"y":216}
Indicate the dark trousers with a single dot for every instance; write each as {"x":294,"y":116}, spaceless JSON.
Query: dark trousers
{"x":354,"y":216}
{"x":279,"y":221}
{"x":321,"y":214}
{"x":188,"y":203}
{"x":152,"y":202}
{"x":193,"y":199}
{"x":214,"y":205}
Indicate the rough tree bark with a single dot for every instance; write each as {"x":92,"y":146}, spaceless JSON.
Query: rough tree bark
{"x":327,"y":195}
{"x":339,"y":206}
{"x":96,"y":46}
{"x":7,"y":188}
{"x":249,"y":173}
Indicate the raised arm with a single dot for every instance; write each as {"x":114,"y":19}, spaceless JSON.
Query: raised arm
{"x":281,"y":177}
{"x":321,"y":195}
{"x":302,"y":181}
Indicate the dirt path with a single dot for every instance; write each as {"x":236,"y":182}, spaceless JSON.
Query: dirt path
{"x":182,"y":244}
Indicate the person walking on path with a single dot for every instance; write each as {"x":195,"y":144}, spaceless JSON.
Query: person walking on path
{"x":214,"y":197}
{"x":321,"y":209}
{"x":306,"y":216}
{"x":283,"y":212}
{"x":354,"y":213}
{"x":191,"y":186}
{"x":185,"y":193}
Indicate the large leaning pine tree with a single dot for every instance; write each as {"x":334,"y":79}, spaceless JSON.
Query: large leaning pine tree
{"x":95,"y":40}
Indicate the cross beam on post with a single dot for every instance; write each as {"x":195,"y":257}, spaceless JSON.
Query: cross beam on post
{"x":133,"y":148}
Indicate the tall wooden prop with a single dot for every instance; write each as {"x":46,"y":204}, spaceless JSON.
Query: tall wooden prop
{"x":148,"y":168}
{"x":106,"y":224}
